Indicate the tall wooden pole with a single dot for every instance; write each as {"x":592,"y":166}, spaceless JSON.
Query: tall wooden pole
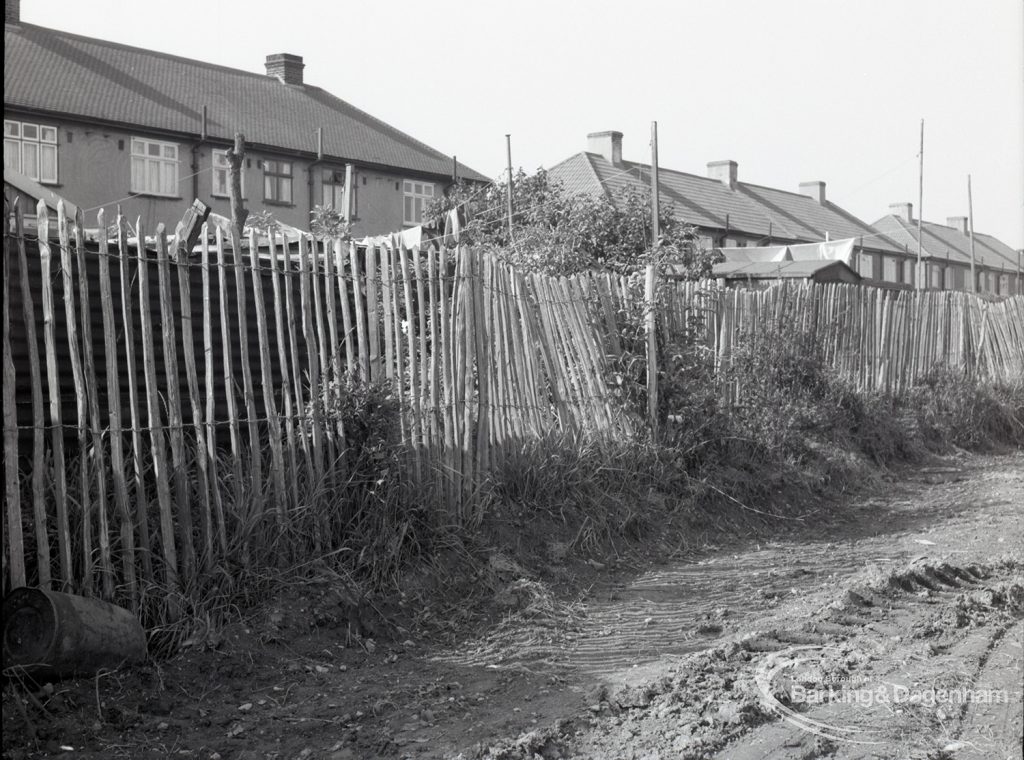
{"x":235,"y":157}
{"x":649,"y":289}
{"x":970,"y":218}
{"x":508,"y":151}
{"x":920,"y":209}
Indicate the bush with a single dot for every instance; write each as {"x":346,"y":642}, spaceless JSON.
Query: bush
{"x":557,"y":233}
{"x":952,"y":409}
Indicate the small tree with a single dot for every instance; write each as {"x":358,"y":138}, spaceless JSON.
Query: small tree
{"x":558,"y":233}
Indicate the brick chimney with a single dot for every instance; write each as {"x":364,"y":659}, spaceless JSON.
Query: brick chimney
{"x":286,"y":67}
{"x":814,"y":190}
{"x":607,"y":144}
{"x":12,"y":11}
{"x":904,"y":211}
{"x":958,"y":223}
{"x":724,"y":171}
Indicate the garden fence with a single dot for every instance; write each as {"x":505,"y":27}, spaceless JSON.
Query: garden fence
{"x":138,"y":380}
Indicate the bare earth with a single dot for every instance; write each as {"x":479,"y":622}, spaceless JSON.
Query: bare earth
{"x":915,"y":594}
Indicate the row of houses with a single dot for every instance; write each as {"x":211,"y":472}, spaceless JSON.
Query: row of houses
{"x":732,"y":215}
{"x":103,"y":124}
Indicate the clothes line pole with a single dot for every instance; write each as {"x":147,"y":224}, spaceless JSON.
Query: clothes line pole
{"x":649,"y":290}
{"x":920,"y":208}
{"x":970,"y":217}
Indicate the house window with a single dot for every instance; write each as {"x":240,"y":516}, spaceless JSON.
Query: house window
{"x":154,"y":167}
{"x":31,"y":149}
{"x":866,"y":265}
{"x":334,"y":190}
{"x":222,"y":174}
{"x":890,"y":271}
{"x":277,"y":181}
{"x":416,"y":195}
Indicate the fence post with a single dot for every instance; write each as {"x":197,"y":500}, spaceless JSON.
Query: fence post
{"x":12,"y":493}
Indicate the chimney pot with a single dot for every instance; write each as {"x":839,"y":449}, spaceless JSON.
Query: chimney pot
{"x":904,"y":211}
{"x":959,"y":223}
{"x":286,"y":67}
{"x":607,"y":144}
{"x":815,"y":190}
{"x":724,"y":171}
{"x":12,"y":11}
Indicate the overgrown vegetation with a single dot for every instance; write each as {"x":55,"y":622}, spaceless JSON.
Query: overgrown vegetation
{"x":760,"y":443}
{"x":557,"y":232}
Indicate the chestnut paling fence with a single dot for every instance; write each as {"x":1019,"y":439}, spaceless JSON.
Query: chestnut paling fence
{"x":138,"y":383}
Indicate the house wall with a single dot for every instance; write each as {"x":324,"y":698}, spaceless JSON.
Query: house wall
{"x":94,"y":170}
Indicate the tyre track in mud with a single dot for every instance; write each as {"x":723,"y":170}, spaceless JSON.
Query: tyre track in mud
{"x":765,"y":597}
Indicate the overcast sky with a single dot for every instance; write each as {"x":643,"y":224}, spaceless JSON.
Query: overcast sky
{"x":793,"y":90}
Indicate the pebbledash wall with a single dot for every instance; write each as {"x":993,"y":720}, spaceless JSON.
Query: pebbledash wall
{"x":94,"y":169}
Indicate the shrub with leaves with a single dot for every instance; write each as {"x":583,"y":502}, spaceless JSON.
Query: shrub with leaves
{"x":555,"y":232}
{"x":263,"y":222}
{"x":328,"y":223}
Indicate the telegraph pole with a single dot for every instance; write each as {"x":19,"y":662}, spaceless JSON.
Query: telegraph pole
{"x":649,"y":317}
{"x":920,"y":208}
{"x":970,"y":217}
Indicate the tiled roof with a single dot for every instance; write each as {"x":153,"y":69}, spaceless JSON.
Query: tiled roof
{"x":941,"y":241}
{"x":55,"y":71}
{"x":705,"y":202}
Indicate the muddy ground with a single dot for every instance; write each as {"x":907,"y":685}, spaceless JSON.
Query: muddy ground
{"x":757,"y":647}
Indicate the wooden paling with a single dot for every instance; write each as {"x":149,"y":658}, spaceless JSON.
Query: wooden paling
{"x":234,"y":426}
{"x":248,"y":392}
{"x":117,"y":461}
{"x":287,"y":402}
{"x":316,"y":397}
{"x":313,"y":463}
{"x":181,"y":264}
{"x":161,"y":468}
{"x":53,"y":386}
{"x":95,"y":423}
{"x":81,"y":403}
{"x":15,"y":554}
{"x":175,"y":427}
{"x":267,"y":377}
{"x":141,"y":500}
{"x":38,"y":474}
{"x":211,"y":396}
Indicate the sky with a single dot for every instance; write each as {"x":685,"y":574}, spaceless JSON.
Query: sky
{"x":792,"y":90}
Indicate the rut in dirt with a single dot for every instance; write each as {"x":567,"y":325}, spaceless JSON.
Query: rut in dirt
{"x":686,"y":607}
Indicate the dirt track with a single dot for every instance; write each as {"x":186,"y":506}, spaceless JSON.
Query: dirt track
{"x":917,"y":587}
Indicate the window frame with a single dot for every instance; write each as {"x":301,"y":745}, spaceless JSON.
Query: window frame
{"x":160,"y":161}
{"x":337,"y":187}
{"x":279,"y":177}
{"x":227,"y":175}
{"x":18,"y":143}
{"x":409,"y":193}
{"x":866,"y":265}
